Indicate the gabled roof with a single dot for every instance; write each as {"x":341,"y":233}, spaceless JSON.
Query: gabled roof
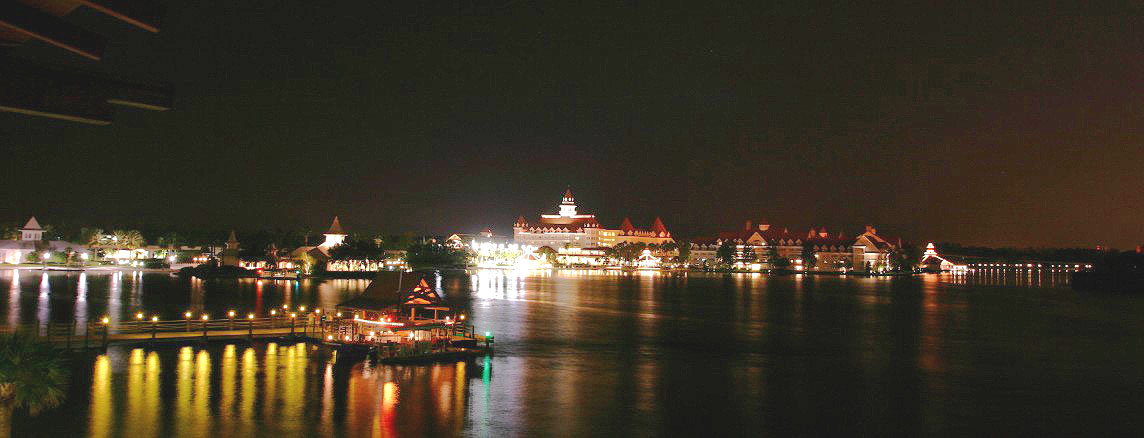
{"x":394,"y":288}
{"x":32,"y":225}
{"x":627,"y":225}
{"x":658,"y":226}
{"x":336,"y":227}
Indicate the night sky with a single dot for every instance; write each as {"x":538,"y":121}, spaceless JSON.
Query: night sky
{"x":992,"y":124}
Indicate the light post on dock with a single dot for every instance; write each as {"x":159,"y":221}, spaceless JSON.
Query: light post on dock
{"x":154,"y":327}
{"x":187,"y":315}
{"x":292,"y":316}
{"x":205,"y":318}
{"x":250,"y":326}
{"x":106,"y":322}
{"x":230,"y":325}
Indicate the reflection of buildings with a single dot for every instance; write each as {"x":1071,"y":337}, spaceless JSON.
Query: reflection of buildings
{"x":756,"y":246}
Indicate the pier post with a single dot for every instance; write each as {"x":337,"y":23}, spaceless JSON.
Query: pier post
{"x":291,"y":326}
{"x":154,"y":330}
{"x":106,"y":327}
{"x":204,"y":330}
{"x":250,"y":327}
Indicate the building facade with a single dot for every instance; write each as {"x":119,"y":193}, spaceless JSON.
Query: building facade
{"x":30,"y":238}
{"x":568,"y":228}
{"x":763,"y":246}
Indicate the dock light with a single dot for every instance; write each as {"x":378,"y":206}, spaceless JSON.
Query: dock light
{"x":230,"y":314}
{"x":285,"y":306}
{"x":347,"y":338}
{"x":330,"y":337}
{"x":139,"y":315}
{"x":302,"y":309}
{"x":249,"y":316}
{"x":371,"y":333}
{"x":187,"y":314}
{"x":83,"y":256}
{"x":487,"y":334}
{"x":317,"y":310}
{"x":292,"y":314}
{"x":154,"y":319}
{"x":206,"y":317}
{"x":462,"y":317}
{"x":339,"y":314}
{"x":273,"y":312}
{"x":47,"y":254}
{"x":105,"y":320}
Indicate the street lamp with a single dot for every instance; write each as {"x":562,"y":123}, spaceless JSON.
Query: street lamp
{"x":45,"y":259}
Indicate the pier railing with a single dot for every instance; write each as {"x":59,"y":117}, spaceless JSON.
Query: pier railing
{"x":99,"y":334}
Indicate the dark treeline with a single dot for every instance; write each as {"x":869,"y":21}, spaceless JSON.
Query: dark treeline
{"x":1087,"y":255}
{"x":1115,"y":272}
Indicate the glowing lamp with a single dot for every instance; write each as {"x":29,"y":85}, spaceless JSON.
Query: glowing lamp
{"x":273,"y":312}
{"x":230,"y":314}
{"x":317,"y":310}
{"x":330,"y":337}
{"x":293,"y":314}
{"x":285,"y":306}
{"x":187,"y":314}
{"x":249,"y":316}
{"x":302,"y":309}
{"x":139,"y":315}
{"x":105,"y":320}
{"x":206,"y":317}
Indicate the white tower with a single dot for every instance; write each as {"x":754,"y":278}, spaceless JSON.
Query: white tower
{"x":334,"y":236}
{"x":567,"y":204}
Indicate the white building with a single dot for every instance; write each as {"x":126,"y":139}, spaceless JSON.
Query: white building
{"x":567,"y":227}
{"x":31,"y":239}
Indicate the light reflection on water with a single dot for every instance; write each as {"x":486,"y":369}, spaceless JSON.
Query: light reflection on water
{"x":612,"y":353}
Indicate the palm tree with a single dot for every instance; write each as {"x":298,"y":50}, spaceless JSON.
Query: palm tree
{"x":32,"y":376}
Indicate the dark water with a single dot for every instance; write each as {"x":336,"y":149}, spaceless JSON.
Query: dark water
{"x":591,"y":353}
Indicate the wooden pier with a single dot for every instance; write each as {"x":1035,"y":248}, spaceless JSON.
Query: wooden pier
{"x":103,"y":333}
{"x":462,"y":340}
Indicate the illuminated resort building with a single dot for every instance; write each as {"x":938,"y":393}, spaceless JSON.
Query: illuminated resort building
{"x":569,"y":228}
{"x":756,"y":247}
{"x":31,"y":239}
{"x":933,"y":262}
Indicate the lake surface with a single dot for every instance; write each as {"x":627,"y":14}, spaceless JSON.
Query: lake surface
{"x":591,"y":353}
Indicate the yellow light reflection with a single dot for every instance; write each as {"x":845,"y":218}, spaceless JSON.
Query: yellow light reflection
{"x":101,"y":401}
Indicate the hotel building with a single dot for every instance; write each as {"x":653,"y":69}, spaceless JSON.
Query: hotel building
{"x":754,"y":246}
{"x":570,"y":228}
